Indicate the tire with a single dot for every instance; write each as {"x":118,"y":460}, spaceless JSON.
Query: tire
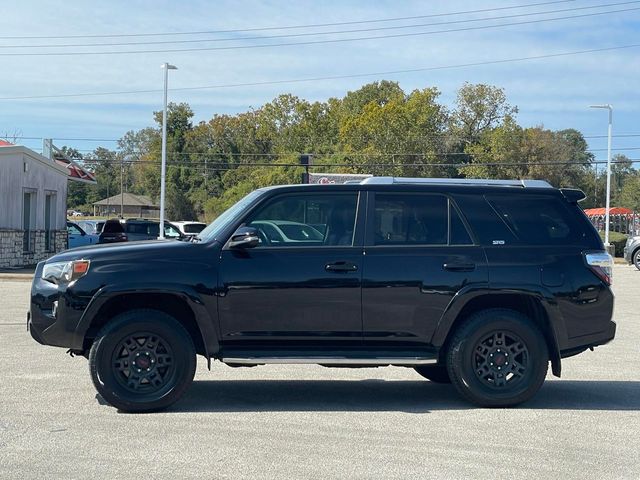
{"x":636,"y":259}
{"x":145,"y":342}
{"x":434,"y":373}
{"x":497,"y":358}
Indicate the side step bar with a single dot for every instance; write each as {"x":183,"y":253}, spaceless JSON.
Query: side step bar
{"x":331,"y":360}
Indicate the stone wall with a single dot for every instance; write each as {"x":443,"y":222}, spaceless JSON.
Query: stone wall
{"x":12,"y":254}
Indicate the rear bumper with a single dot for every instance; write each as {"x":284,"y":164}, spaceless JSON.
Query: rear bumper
{"x":579,"y":344}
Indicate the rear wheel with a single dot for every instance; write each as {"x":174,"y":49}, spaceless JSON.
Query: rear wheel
{"x":434,"y":373}
{"x":497,"y":358}
{"x":142,"y":361}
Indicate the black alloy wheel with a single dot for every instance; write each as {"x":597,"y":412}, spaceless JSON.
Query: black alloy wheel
{"x":142,"y":361}
{"x":497,"y":358}
{"x":500,"y":358}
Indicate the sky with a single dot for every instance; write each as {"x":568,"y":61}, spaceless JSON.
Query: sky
{"x":554,"y":92}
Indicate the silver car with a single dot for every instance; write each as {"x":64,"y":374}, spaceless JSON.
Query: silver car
{"x":632,"y":251}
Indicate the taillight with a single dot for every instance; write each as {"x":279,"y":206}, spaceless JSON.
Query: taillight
{"x":600,"y":263}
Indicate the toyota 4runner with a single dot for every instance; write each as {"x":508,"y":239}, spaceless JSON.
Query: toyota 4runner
{"x":478,"y":283}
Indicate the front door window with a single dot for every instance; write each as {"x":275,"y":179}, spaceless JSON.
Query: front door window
{"x":307,"y":221}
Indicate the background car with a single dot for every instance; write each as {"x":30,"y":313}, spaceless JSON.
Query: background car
{"x":113,"y":232}
{"x":77,"y":237}
{"x":281,"y":231}
{"x":632,"y":250}
{"x":189,"y":229}
{"x":91,"y":226}
{"x":142,"y":229}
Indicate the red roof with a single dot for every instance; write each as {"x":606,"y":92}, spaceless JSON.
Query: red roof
{"x":590,"y":212}
{"x":4,"y":143}
{"x":76,"y":171}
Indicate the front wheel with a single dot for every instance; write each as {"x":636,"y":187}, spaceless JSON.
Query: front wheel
{"x":497,"y":358}
{"x":142,"y":361}
{"x":636,"y":259}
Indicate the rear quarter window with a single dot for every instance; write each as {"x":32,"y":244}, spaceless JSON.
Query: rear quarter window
{"x":539,"y":220}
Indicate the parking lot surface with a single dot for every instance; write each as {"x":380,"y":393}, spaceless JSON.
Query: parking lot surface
{"x":314,"y":422}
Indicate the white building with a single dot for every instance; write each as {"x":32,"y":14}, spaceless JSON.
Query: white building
{"x":33,"y":205}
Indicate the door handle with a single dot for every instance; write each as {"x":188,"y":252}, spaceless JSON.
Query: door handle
{"x":341,"y":267}
{"x":459,"y":267}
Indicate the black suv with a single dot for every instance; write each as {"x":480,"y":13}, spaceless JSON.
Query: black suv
{"x":478,"y":283}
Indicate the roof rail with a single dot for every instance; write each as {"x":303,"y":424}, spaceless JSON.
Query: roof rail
{"x":455,"y":181}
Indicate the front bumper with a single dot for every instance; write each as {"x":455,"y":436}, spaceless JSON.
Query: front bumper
{"x":54,"y":313}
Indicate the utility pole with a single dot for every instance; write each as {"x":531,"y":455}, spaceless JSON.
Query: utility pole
{"x":121,"y":186}
{"x":163,"y":169}
{"x":608,"y":202}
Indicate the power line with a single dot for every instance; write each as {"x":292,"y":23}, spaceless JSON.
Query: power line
{"x":332,"y":77}
{"x":314,"y":42}
{"x":225,"y":166}
{"x":290,"y":27}
{"x":312,"y":34}
{"x":308,"y":137}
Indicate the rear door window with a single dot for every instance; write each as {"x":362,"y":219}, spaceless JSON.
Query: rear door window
{"x":417,"y":219}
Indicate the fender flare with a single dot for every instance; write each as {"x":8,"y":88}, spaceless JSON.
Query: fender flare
{"x":206,"y":326}
{"x":556,"y":331}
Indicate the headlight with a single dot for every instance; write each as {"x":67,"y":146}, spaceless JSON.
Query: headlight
{"x":65,"y":272}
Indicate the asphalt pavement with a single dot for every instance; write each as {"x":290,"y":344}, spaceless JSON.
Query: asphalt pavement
{"x":313,"y":422}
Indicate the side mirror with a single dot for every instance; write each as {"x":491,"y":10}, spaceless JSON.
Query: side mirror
{"x":244,"y":237}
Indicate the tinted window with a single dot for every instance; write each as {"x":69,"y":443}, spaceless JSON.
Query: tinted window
{"x":307,"y":220}
{"x":112,"y":226}
{"x":536,"y":220}
{"x":153,"y":229}
{"x":137,"y":228}
{"x":411,"y":220}
{"x":193,"y":227}
{"x":459,"y":233}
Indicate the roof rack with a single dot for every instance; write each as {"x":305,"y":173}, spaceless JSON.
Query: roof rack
{"x":455,"y":181}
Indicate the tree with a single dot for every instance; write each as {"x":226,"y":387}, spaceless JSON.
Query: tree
{"x":630,"y":192}
{"x":377,"y":129}
{"x":378,"y":93}
{"x":401,"y":135}
{"x":479,"y":108}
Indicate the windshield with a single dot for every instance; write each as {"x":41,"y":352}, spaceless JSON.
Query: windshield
{"x":228,"y":216}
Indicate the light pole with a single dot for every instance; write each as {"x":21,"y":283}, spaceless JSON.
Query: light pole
{"x":166,"y":67}
{"x":608,"y":201}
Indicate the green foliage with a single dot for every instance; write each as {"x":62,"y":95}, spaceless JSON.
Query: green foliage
{"x":618,"y":240}
{"x":377,"y":129}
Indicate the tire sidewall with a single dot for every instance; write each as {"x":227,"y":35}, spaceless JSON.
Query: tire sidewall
{"x":171,"y":332}
{"x":462,"y":367}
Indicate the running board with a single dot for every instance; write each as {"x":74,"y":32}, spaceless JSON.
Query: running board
{"x":331,"y":360}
